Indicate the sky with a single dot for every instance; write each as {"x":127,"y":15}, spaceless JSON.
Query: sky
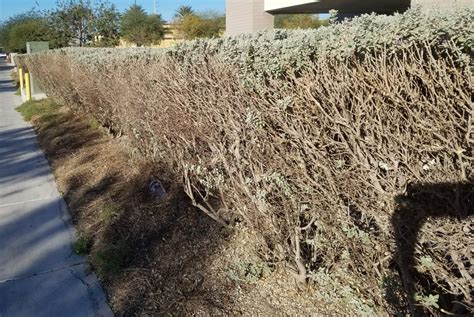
{"x":166,"y":8}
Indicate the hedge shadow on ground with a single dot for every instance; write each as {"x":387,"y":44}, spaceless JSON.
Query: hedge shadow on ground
{"x":422,"y":202}
{"x":154,"y":254}
{"x":170,"y":236}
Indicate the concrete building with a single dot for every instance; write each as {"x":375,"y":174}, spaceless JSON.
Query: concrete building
{"x":246,"y":16}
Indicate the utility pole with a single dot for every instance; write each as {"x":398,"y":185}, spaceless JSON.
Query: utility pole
{"x":154,"y":6}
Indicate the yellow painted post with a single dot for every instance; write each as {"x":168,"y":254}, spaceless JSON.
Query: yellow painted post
{"x":20,"y":75}
{"x":28,"y":86}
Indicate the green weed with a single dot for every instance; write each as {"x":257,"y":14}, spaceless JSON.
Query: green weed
{"x":110,"y":212}
{"x":82,"y":246}
{"x":428,"y":301}
{"x":248,"y":272}
{"x":43,"y":109}
{"x":111,"y":259}
{"x":94,"y":124}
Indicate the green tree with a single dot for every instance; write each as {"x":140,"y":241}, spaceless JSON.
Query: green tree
{"x":26,"y":20}
{"x":298,"y":21}
{"x":107,"y":25}
{"x":74,"y":20}
{"x":79,"y":22}
{"x":183,"y":11}
{"x":216,"y":19}
{"x":27,"y":31}
{"x":203,"y":25}
{"x":140,"y":28}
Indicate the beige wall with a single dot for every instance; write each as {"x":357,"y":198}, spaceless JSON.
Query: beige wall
{"x":247,"y":16}
{"x":443,"y":3}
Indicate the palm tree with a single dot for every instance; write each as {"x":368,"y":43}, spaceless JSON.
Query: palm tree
{"x":183,"y":11}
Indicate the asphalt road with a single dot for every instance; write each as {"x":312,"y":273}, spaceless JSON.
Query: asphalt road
{"x":39,"y":273}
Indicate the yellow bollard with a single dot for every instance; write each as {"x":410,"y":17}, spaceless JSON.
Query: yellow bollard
{"x":27,"y":86}
{"x":20,"y":75}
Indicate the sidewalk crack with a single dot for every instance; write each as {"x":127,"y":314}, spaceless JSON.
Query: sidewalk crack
{"x":20,"y":277}
{"x":90,"y":292}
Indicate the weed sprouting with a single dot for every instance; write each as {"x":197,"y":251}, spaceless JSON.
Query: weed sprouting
{"x":82,"y":246}
{"x":248,"y":272}
{"x":111,"y":258}
{"x":110,"y":211}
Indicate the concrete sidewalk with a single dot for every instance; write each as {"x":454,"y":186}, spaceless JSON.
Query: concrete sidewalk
{"x":39,"y":273}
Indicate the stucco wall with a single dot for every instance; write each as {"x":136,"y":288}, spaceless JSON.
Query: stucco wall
{"x":443,"y":3}
{"x":247,"y":16}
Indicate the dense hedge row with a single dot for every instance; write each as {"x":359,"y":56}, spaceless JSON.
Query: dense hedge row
{"x":354,"y":129}
{"x":272,"y":53}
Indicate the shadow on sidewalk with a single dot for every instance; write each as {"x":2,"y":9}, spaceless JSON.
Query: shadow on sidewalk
{"x":39,"y":274}
{"x":6,"y":85}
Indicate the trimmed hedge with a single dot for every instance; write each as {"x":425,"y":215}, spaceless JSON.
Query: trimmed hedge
{"x":323,"y":143}
{"x":273,"y":53}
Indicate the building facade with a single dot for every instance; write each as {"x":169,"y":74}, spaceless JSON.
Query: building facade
{"x":247,"y":16}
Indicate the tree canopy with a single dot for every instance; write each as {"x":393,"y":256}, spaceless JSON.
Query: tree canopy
{"x":79,"y":22}
{"x":75,"y":20}
{"x":183,"y":11}
{"x":140,"y":28}
{"x":298,"y":21}
{"x":71,"y":23}
{"x":199,"y":25}
{"x":22,"y":28}
{"x":107,"y":25}
{"x":99,"y":23}
{"x":27,"y":31}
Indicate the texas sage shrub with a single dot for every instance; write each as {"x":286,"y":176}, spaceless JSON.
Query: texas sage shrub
{"x":318,"y":141}
{"x":273,"y":53}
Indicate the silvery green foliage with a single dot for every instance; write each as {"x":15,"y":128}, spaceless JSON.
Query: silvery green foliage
{"x":272,"y":53}
{"x":96,"y":58}
{"x":337,"y":288}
